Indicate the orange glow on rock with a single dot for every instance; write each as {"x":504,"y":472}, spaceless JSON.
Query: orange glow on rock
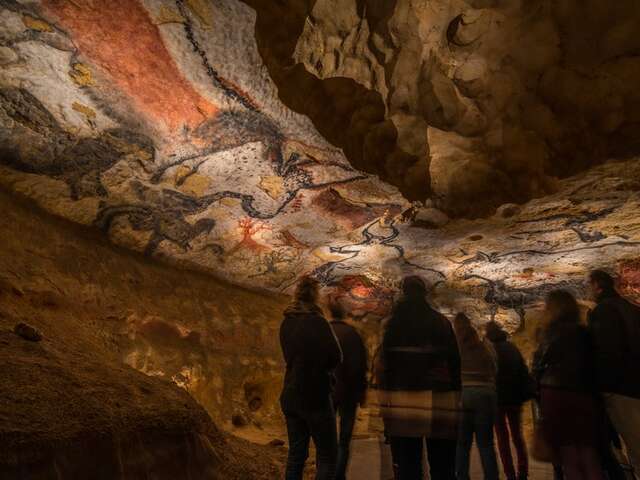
{"x":122,"y":41}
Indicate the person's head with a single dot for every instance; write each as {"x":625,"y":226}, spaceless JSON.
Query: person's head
{"x":307,"y":290}
{"x":494,"y":332}
{"x":600,"y":283}
{"x":465,"y":332}
{"x":561,"y":306}
{"x":337,"y":310}
{"x":414,"y":287}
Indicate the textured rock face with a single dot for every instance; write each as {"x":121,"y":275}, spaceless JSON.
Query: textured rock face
{"x":174,"y":144}
{"x":70,"y":407}
{"x":158,"y":122}
{"x":498,"y":96}
{"x":216,"y":341}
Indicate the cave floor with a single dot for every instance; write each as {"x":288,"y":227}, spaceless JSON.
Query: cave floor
{"x":371,"y":460}
{"x":370,"y":457}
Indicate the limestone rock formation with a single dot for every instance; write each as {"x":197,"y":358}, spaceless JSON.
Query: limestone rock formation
{"x":216,"y":341}
{"x":186,"y":145}
{"x":199,"y":157}
{"x":71,"y":409}
{"x":498,"y":97}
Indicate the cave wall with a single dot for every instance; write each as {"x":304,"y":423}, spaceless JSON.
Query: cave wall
{"x":174,"y":144}
{"x":498,"y":97}
{"x":165,"y":125}
{"x":217,"y":341}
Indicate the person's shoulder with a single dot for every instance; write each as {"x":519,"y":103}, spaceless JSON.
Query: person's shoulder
{"x":606,"y":308}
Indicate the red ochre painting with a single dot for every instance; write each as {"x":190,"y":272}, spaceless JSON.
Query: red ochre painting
{"x":246,"y":189}
{"x":121,"y":40}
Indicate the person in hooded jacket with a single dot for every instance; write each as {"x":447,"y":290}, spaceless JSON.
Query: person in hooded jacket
{"x":311,"y":353}
{"x":513,"y":387}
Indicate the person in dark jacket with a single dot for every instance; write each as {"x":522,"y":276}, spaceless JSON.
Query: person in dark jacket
{"x":311,"y":352}
{"x":351,"y":382}
{"x":513,"y":386}
{"x":564,"y":370}
{"x":615,"y":327}
{"x":420,"y":383}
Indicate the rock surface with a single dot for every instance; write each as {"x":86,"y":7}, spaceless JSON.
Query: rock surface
{"x":189,"y":144}
{"x":70,"y":408}
{"x":499,"y":97}
{"x":216,"y":341}
{"x":27,"y":332}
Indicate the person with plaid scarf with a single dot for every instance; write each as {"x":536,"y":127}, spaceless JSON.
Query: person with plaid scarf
{"x":419,"y":385}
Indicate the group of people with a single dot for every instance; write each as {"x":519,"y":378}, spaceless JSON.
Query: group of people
{"x":443,"y":384}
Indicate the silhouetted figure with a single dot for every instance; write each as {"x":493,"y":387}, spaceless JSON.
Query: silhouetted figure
{"x":615,"y":328}
{"x":479,"y":400}
{"x":311,"y":352}
{"x":514,"y":387}
{"x":351,"y":383}
{"x":564,"y":370}
{"x":420,"y":382}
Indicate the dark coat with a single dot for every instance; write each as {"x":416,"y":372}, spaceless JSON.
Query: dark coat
{"x":351,"y":374}
{"x":615,"y":327}
{"x":419,"y":349}
{"x":311,"y":352}
{"x":513,"y":381}
{"x":564,"y":359}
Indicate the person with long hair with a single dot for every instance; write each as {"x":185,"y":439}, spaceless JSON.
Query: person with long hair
{"x":565,"y":374}
{"x":311,"y":353}
{"x":419,"y":381}
{"x":479,"y":400}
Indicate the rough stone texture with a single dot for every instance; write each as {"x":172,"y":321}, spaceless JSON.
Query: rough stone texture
{"x":499,"y":97}
{"x":216,"y":341}
{"x":182,"y":144}
{"x":69,"y":407}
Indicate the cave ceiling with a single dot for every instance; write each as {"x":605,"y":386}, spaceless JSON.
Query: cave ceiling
{"x":260,"y":145}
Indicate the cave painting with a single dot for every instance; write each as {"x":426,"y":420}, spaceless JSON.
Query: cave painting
{"x":144,"y":130}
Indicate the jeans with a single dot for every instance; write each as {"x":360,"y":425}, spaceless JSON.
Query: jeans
{"x":407,"y":455}
{"x":509,"y":429}
{"x":319,"y":425}
{"x":478,"y":417}
{"x":347,"y":414}
{"x":624,"y":413}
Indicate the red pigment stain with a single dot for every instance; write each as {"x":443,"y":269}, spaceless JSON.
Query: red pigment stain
{"x":629,"y":279}
{"x":249,"y":228}
{"x":348,"y":214}
{"x":120,"y":38}
{"x":363,"y":296}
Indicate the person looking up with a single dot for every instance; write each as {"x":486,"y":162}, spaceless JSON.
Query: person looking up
{"x":615,"y":329}
{"x":513,"y":388}
{"x":563,"y":368}
{"x":311,"y":352}
{"x":479,"y":400}
{"x":420,"y":383}
{"x":351,"y":382}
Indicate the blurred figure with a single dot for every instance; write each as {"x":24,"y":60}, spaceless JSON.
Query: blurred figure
{"x":514,"y":387}
{"x":311,"y":351}
{"x":351,"y":382}
{"x":615,"y":327}
{"x":564,"y":370}
{"x":420,"y":379}
{"x":479,"y":400}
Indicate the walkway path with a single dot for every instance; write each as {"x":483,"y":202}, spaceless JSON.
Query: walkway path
{"x":371,"y":460}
